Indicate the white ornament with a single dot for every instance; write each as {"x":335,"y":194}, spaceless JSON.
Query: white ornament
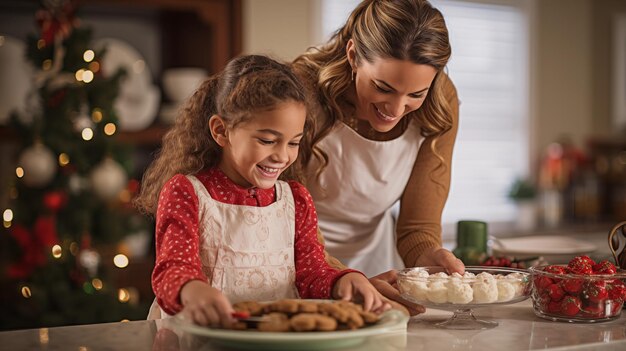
{"x":89,"y":259}
{"x":77,"y":184}
{"x":39,"y":165}
{"x":81,"y":122}
{"x":108,"y":179}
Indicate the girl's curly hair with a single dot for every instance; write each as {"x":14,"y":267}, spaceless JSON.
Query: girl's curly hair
{"x":247,"y":84}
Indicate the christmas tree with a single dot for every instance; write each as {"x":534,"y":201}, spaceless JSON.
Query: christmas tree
{"x":70,"y":199}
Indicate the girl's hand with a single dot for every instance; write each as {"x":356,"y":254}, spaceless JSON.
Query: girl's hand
{"x":438,"y":256}
{"x":354,"y":286}
{"x":205,"y":305}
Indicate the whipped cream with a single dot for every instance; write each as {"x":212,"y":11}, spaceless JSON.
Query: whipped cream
{"x":462,"y":289}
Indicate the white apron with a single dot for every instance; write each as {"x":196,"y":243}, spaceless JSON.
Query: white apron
{"x":356,"y":192}
{"x":247,"y":252}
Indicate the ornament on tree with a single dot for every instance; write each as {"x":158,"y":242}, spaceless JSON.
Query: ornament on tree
{"x":56,"y":18}
{"x":90,"y":260}
{"x":81,"y":122}
{"x":39,"y":165}
{"x":77,"y":184}
{"x":34,"y":244}
{"x":108,"y":178}
{"x":55,"y":200}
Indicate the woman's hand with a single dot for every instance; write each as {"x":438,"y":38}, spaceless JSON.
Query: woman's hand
{"x":354,"y":286}
{"x":386,"y":284}
{"x":438,"y":256}
{"x":205,"y":305}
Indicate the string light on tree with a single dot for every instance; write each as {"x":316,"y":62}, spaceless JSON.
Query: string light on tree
{"x":120,"y":261}
{"x":26,"y":292}
{"x":109,"y":129}
{"x":89,"y":55}
{"x":96,"y":115}
{"x":57,"y":252}
{"x":87,"y":134}
{"x":64,"y":159}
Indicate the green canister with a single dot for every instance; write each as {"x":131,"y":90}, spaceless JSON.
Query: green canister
{"x":471,"y":242}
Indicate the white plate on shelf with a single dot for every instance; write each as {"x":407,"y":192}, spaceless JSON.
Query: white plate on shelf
{"x":541,"y":245}
{"x":17,"y":78}
{"x":138,"y":101}
{"x":392,"y":321}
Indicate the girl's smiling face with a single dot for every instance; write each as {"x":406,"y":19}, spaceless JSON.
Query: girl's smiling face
{"x":387,"y":89}
{"x":257,"y":151}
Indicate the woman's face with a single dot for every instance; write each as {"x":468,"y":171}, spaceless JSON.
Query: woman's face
{"x":388,"y":89}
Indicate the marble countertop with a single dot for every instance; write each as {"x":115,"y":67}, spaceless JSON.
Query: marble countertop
{"x":518,"y":329}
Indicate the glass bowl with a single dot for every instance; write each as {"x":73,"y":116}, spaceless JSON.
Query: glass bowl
{"x":480,"y":286}
{"x":568,"y":297}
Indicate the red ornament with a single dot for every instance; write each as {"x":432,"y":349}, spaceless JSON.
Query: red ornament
{"x":55,"y":200}
{"x":35,"y":245}
{"x":133,"y":186}
{"x":58,"y":20}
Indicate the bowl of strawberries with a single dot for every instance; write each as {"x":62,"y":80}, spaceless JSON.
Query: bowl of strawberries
{"x":581,"y":291}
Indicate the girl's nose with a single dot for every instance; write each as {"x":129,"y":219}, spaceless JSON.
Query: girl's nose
{"x":281,"y":153}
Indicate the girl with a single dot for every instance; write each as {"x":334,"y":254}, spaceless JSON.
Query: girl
{"x":227,"y":229}
{"x":387,"y":119}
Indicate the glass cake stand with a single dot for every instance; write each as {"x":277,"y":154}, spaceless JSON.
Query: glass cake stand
{"x":463,"y":317}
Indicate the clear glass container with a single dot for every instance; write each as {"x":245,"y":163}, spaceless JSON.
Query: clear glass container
{"x":577,"y":297}
{"x":480,"y":286}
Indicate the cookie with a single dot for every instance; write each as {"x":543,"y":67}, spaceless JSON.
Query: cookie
{"x":312,"y":322}
{"x":275,"y":322}
{"x":252,"y":307}
{"x":284,"y":306}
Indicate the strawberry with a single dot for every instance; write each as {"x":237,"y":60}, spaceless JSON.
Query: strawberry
{"x":582,"y":269}
{"x":604,"y":267}
{"x":554,"y":307}
{"x":570,"y":305}
{"x":616,"y":290}
{"x":581,"y":265}
{"x":586,"y":259}
{"x":573,"y":286}
{"x":542,"y":282}
{"x":596,"y":292}
{"x":556,"y":269}
{"x":555,"y":292}
{"x":594,"y":310}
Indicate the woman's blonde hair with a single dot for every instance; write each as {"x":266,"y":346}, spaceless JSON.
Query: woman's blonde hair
{"x":410,"y":30}
{"x":248,"y":84}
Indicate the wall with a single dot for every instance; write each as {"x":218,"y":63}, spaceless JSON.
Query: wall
{"x":564,"y":71}
{"x":572,"y":58}
{"x":280,"y":28}
{"x":603,"y":13}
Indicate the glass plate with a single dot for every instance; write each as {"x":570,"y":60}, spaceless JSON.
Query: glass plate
{"x":390,"y":321}
{"x":463,"y":317}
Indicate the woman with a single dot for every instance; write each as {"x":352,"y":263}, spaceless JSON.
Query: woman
{"x":387,"y":118}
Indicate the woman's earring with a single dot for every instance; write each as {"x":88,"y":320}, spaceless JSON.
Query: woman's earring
{"x":353,"y":74}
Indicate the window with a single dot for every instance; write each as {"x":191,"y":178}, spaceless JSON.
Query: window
{"x":490,"y":68}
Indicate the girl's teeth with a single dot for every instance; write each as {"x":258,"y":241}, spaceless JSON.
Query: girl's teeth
{"x":269,"y":170}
